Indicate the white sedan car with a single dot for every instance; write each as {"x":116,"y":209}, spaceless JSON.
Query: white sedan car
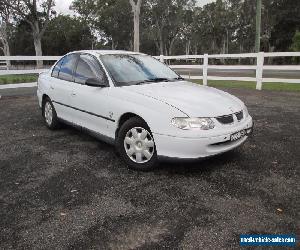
{"x":142,"y":107}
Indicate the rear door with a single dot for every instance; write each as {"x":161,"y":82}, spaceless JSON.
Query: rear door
{"x":62,"y":85}
{"x":90,"y":101}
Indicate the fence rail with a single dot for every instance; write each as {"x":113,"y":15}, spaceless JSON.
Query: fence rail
{"x":259,"y":67}
{"x":205,"y":66}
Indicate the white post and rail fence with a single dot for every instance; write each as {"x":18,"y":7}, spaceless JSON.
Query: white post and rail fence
{"x":258,"y":57}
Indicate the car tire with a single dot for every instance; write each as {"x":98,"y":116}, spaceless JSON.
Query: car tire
{"x":136,"y":146}
{"x":49,"y":114}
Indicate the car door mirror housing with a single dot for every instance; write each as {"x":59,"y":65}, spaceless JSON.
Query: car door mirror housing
{"x":94,"y":82}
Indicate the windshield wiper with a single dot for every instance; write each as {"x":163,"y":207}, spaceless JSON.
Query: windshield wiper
{"x":179,"y":78}
{"x":158,"y":79}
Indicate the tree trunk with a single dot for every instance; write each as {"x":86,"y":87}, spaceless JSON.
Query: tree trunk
{"x":187,"y":47}
{"x":130,"y":45}
{"x":112,"y":44}
{"x":157,"y":46}
{"x":6,"y":51}
{"x":4,"y":41}
{"x":195,"y":50}
{"x":171,"y":46}
{"x":223,"y":51}
{"x":136,"y":9}
{"x":270,"y":59}
{"x":161,"y":43}
{"x":38,"y":50}
{"x":37,"y":41}
{"x":227,"y":41}
{"x":213,"y":46}
{"x":136,"y":42}
{"x":241,"y":51}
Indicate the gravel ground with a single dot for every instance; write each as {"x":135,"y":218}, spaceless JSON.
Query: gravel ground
{"x":65,"y":190}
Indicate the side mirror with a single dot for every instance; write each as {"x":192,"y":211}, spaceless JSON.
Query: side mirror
{"x":94,"y":82}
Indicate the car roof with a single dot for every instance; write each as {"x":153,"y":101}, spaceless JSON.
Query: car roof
{"x":108,"y":52}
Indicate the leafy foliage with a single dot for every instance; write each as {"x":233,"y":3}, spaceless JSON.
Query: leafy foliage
{"x":66,"y":34}
{"x":110,"y":19}
{"x":296,"y":42}
{"x":167,"y":27}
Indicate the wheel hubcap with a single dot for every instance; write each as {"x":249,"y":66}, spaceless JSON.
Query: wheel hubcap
{"x":48,"y":113}
{"x":139,"y":145}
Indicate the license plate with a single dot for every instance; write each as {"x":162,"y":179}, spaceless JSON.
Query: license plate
{"x":238,"y":135}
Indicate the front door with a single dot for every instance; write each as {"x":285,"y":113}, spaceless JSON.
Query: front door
{"x":62,"y":85}
{"x":91,"y":101}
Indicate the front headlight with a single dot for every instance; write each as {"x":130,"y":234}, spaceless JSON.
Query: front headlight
{"x":245,"y":111}
{"x":193,"y":123}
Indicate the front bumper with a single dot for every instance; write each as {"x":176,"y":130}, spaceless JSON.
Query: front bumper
{"x":195,"y":148}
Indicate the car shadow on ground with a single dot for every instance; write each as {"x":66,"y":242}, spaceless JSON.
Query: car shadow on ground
{"x":183,"y":167}
{"x":205,"y":165}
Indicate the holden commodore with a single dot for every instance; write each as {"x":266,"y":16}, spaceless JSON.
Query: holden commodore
{"x":141,"y":106}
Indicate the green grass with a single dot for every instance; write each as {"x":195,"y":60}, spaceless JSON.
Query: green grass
{"x":8,"y":79}
{"x":252,"y":85}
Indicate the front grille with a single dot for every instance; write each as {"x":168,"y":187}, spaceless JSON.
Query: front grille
{"x":239,"y":115}
{"x":226,"y":119}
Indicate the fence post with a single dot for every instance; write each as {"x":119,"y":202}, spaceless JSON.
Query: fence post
{"x":161,"y":58}
{"x":259,"y":70}
{"x":205,"y":66}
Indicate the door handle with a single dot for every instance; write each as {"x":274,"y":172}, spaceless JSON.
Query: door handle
{"x":51,"y":87}
{"x":73,"y":94}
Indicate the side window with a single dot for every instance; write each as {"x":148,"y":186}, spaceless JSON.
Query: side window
{"x":67,"y":67}
{"x":56,"y":68}
{"x":88,"y":67}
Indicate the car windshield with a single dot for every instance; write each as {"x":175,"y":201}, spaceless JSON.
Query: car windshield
{"x":137,"y":69}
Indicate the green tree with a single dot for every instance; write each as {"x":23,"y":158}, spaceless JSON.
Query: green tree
{"x":21,"y":41}
{"x":5,"y":30}
{"x":37,"y":14}
{"x":65,"y":34}
{"x":164,"y":22}
{"x":167,"y":27}
{"x":296,"y":46}
{"x":211,"y":28}
{"x":296,"y":42}
{"x":287,"y":15}
{"x":110,"y":19}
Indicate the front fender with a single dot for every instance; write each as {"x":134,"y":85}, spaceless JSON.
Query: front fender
{"x":157,"y":114}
